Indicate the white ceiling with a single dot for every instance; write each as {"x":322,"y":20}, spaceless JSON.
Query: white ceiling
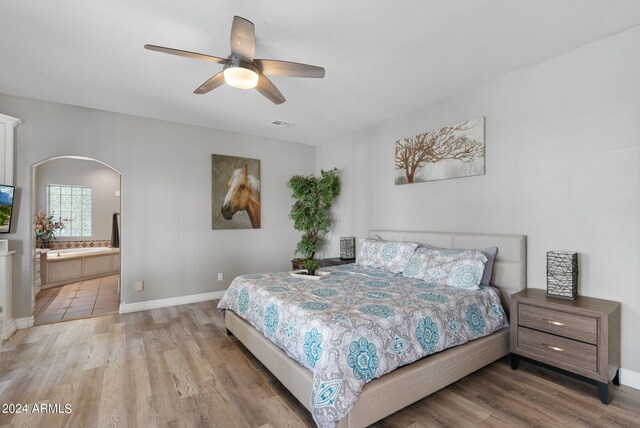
{"x":382,"y":58}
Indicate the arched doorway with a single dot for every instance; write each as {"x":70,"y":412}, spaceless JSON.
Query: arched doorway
{"x":76,"y":272}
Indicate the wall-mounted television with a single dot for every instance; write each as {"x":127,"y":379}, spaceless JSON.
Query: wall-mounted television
{"x":6,"y":207}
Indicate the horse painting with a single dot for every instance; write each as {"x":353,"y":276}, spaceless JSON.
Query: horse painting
{"x":235,"y":192}
{"x":243,"y":194}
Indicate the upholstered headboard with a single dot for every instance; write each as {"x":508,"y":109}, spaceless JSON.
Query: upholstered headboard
{"x":509,"y":269}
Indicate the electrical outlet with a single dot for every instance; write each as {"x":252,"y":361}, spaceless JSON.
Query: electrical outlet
{"x":220,"y":276}
{"x":139,"y":285}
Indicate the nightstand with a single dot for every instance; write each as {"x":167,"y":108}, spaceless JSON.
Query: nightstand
{"x":580,"y":337}
{"x":335,"y":261}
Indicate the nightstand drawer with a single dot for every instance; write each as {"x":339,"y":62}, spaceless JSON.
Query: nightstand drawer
{"x":558,"y":350}
{"x":564,"y":324}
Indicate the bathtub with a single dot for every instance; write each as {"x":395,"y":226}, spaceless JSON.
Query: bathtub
{"x":59,"y":267}
{"x":70,"y":252}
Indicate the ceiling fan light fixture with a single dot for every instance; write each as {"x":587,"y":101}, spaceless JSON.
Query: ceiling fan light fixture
{"x":241,"y":70}
{"x":240,"y":77}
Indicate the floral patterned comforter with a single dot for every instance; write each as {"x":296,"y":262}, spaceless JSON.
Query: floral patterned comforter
{"x":358,"y":324}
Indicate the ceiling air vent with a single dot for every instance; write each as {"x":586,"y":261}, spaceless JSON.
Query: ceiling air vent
{"x":280,"y":123}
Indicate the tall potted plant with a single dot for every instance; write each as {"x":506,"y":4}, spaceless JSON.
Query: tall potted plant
{"x":311,"y":210}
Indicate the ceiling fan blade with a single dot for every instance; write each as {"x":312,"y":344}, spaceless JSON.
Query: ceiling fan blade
{"x":286,"y":68}
{"x":269,"y":90}
{"x":210,"y":84}
{"x":187,"y":54}
{"x":243,"y":38}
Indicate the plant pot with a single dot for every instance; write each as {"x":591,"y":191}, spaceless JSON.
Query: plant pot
{"x":297,"y":264}
{"x":311,"y":272}
{"x":43,"y":243}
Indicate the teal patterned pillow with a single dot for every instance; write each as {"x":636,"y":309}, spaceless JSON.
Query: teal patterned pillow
{"x":455,"y":268}
{"x":391,"y":256}
{"x":489,"y":252}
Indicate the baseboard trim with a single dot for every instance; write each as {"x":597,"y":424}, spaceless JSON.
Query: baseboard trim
{"x":126,"y":308}
{"x":8,"y":329}
{"x":25,"y":322}
{"x":630,"y":378}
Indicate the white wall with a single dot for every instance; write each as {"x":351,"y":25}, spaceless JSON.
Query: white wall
{"x":104,"y":183}
{"x":562,"y":167}
{"x":3,"y":138}
{"x":167,"y":239}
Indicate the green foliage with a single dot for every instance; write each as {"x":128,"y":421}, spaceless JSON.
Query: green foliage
{"x":5,"y":214}
{"x":311,"y":211}
{"x":311,"y":265}
{"x":45,"y":226}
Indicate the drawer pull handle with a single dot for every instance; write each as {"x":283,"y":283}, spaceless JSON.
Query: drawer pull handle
{"x":552,"y":322}
{"x":553,"y":348}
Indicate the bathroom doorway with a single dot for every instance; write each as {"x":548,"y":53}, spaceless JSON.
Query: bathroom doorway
{"x":76,"y":247}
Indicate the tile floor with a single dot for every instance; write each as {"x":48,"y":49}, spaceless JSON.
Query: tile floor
{"x":81,"y":299}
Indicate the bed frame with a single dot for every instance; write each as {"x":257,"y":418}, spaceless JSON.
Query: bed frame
{"x":406,"y":385}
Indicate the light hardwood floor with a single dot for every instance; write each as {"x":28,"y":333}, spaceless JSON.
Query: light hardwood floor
{"x":176,"y":367}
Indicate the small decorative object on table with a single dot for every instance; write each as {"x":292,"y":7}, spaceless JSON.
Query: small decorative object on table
{"x":347,"y":247}
{"x":311,"y":266}
{"x":319,"y":274}
{"x":562,"y":274}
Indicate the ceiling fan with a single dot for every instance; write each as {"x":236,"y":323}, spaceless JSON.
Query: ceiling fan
{"x":241,"y":70}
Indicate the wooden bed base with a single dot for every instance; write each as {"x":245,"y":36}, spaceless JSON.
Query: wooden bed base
{"x":387,"y":394}
{"x":406,"y":385}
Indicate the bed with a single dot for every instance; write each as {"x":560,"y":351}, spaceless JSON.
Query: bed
{"x":390,"y":392}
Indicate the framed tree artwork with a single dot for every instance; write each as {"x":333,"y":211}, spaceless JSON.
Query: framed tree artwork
{"x":449,"y":152}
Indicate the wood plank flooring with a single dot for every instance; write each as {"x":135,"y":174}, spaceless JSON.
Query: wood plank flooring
{"x":176,"y":367}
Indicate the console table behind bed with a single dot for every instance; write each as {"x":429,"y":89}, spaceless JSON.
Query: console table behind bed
{"x":406,"y":385}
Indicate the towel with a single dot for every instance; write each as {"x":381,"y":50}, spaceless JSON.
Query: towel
{"x":115,"y":234}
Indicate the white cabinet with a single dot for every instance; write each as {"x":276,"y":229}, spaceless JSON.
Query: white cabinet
{"x":7,"y":323}
{"x":7,"y":123}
